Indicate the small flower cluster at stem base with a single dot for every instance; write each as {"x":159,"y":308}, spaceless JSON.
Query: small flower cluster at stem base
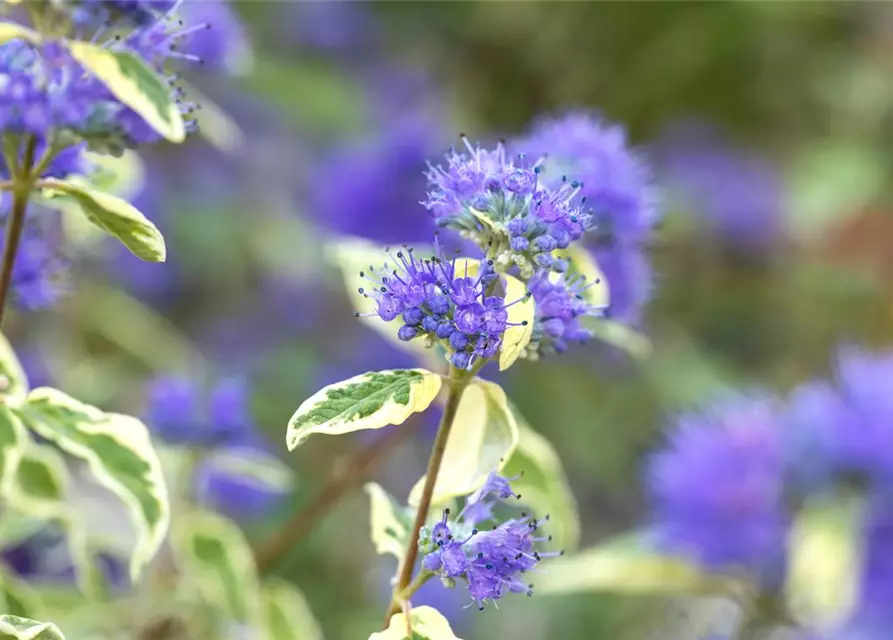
{"x":440,"y":300}
{"x":492,"y":562}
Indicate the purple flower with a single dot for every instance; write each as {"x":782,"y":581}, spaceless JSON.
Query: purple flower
{"x":223,"y":44}
{"x":370,"y":188}
{"x":737,"y":196}
{"x":630,"y":282}
{"x":616,"y":181}
{"x":492,"y":561}
{"x":845,"y":432}
{"x":560,"y":304}
{"x":332,"y":27}
{"x":717,"y":490}
{"x":437,"y":299}
{"x":178,"y":412}
{"x":505,"y":206}
{"x":238,"y":495}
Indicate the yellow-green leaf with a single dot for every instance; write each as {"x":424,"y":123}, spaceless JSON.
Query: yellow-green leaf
{"x":40,"y":486}
{"x":215,"y":125}
{"x":619,"y":336}
{"x":214,"y":554}
{"x":135,"y":84}
{"x":389,"y":522}
{"x":13,"y":441}
{"x":543,"y":485}
{"x":825,"y":560}
{"x":10,"y":31}
{"x":114,"y":216}
{"x":13,"y":382}
{"x":483,"y":438}
{"x":18,"y":598}
{"x":425,"y":623}
{"x":16,"y":628}
{"x":625,"y":565}
{"x":119,"y":453}
{"x":287,"y":615}
{"x":520,"y":314}
{"x":368,"y":401}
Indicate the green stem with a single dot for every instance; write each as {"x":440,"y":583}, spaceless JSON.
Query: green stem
{"x":16,"y":223}
{"x":458,"y":382}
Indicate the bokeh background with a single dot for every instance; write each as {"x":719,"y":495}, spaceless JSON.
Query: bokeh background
{"x":769,"y":126}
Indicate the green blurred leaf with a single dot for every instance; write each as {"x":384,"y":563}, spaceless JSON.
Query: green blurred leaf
{"x":119,"y":453}
{"x":368,"y":401}
{"x":287,"y":615}
{"x":825,"y":562}
{"x":256,"y":467}
{"x":618,"y":335}
{"x":483,"y":437}
{"x":135,"y":84}
{"x":390,"y":522}
{"x":543,"y":485}
{"x":216,"y":558}
{"x":18,"y":598}
{"x":39,"y":488}
{"x":626,"y":564}
{"x":15,"y":381}
{"x":16,"y":628}
{"x":114,"y":216}
{"x":13,"y":441}
{"x":427,"y":623}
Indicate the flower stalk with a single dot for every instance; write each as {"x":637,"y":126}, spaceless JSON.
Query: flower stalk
{"x":21,"y":192}
{"x":458,"y":382}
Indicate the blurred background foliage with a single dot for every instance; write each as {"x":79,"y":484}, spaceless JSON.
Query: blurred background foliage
{"x":769,"y":125}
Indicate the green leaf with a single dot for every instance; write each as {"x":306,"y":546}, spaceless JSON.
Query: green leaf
{"x":581,"y":262}
{"x":287,"y":616}
{"x":520,"y":314}
{"x":825,"y":561}
{"x":39,"y":488}
{"x":353,"y":255}
{"x":16,"y":628}
{"x":390,"y":522}
{"x":619,"y":336}
{"x":135,"y":84}
{"x":13,"y":441}
{"x":543,"y":485}
{"x":119,"y":453}
{"x":215,"y":125}
{"x":114,"y":216}
{"x":215,"y":555}
{"x":483,"y":437}
{"x":253,"y":466}
{"x":627,"y":564}
{"x":18,"y":598}
{"x":15,"y":382}
{"x":426,"y":623}
{"x":368,"y":401}
{"x":11,"y":31}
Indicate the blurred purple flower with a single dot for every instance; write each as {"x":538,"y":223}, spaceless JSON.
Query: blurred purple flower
{"x":223,"y":45}
{"x":630,"y":282}
{"x":178,"y":411}
{"x":332,"y":27}
{"x":372,"y":187}
{"x":734,"y":194}
{"x":238,"y":496}
{"x":845,"y":432}
{"x":617,"y":182}
{"x":717,"y":491}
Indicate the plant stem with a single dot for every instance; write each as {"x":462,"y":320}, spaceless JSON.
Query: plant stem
{"x":457,"y":383}
{"x":16,"y":223}
{"x":303,"y":520}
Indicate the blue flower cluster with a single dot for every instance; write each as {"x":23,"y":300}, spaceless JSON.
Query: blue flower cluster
{"x":725,"y":491}
{"x":560,"y":305}
{"x":504,"y":206}
{"x":621,"y":198}
{"x":439,"y":300}
{"x":491,"y":561}
{"x":47,"y":92}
